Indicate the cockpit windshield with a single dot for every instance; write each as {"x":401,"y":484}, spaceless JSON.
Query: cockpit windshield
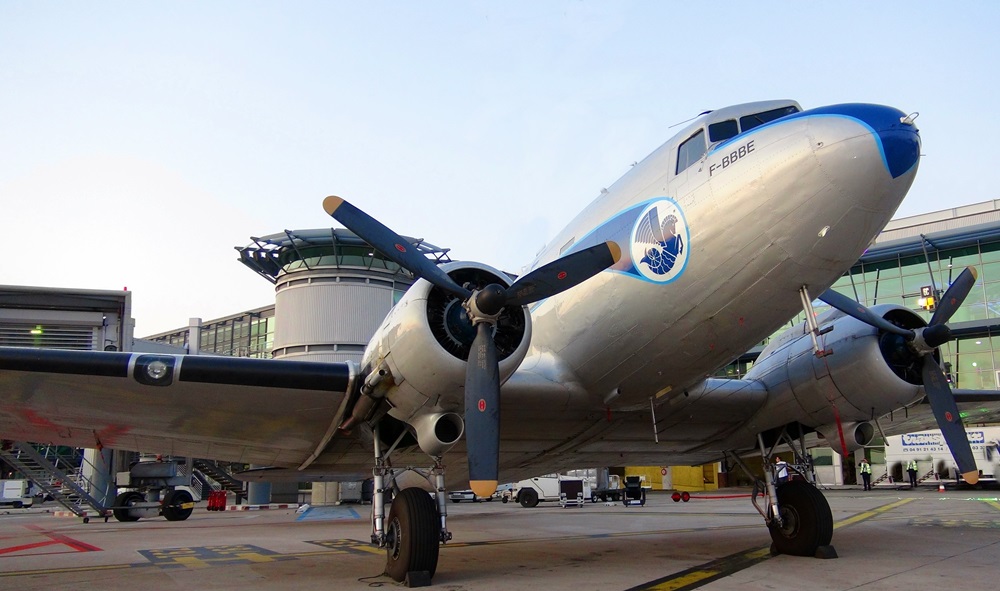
{"x":691,"y":150}
{"x":751,"y":121}
{"x":723,"y":130}
{"x":728,"y":124}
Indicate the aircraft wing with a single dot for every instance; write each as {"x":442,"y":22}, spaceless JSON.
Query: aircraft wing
{"x":269,"y":412}
{"x":976,"y":406}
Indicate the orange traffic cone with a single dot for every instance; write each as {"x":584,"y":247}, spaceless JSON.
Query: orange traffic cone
{"x":941,"y":488}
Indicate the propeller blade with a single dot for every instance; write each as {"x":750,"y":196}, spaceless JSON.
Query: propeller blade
{"x":563,"y":273}
{"x":954,"y":297}
{"x":948,"y":419}
{"x":482,"y":412}
{"x":390,"y":244}
{"x":852,"y":308}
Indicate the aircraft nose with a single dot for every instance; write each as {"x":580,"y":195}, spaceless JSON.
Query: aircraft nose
{"x":897,"y":136}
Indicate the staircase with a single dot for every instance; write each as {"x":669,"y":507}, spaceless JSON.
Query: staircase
{"x":58,"y":475}
{"x":216,"y":472}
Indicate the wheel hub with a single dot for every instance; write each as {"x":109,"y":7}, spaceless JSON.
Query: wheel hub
{"x":394,"y":539}
{"x":789,"y":522}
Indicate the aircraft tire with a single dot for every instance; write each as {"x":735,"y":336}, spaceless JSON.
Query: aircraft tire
{"x":127,"y":499}
{"x":171,"y":505}
{"x":528,"y":497}
{"x":412,"y":530}
{"x":807,"y":522}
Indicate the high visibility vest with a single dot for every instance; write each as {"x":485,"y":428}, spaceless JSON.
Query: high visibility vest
{"x":866,"y":468}
{"x":912,"y":465}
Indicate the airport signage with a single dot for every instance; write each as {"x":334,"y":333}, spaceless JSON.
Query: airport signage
{"x":935,"y":442}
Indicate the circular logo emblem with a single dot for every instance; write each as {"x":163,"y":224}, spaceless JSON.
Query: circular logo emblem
{"x":659,"y":244}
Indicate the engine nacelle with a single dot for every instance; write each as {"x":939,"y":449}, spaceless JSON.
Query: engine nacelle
{"x":424,"y":342}
{"x":856,"y":436}
{"x":868,"y":373}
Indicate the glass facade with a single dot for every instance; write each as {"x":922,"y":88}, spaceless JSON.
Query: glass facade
{"x":338,"y":256}
{"x":250,"y":334}
{"x":247,"y":335}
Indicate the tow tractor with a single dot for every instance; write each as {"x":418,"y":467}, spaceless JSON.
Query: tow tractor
{"x":567,"y":490}
{"x":154,"y":488}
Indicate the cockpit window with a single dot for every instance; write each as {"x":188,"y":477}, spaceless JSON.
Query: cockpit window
{"x":751,"y":121}
{"x":691,"y":150}
{"x":723,"y":130}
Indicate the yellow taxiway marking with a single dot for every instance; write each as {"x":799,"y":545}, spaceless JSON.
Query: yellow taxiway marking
{"x":869,"y":514}
{"x":695,"y":577}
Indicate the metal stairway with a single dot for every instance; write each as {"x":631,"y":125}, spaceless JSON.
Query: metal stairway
{"x":58,"y":476}
{"x":222,"y":476}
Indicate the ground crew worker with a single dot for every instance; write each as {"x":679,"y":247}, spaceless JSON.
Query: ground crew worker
{"x":866,"y":473}
{"x":911,"y":469}
{"x":781,"y":469}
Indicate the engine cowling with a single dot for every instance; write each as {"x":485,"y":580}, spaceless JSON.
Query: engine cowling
{"x":867,"y":374}
{"x":422,"y":346}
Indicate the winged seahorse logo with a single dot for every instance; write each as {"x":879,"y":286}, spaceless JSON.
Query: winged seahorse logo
{"x":663,"y":244}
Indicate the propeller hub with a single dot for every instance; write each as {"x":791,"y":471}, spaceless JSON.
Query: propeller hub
{"x":487,"y":303}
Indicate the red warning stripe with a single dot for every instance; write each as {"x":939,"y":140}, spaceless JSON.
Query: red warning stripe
{"x":68,"y":541}
{"x":23,"y":547}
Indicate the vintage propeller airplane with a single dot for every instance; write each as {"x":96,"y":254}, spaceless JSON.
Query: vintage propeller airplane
{"x":597,"y":356}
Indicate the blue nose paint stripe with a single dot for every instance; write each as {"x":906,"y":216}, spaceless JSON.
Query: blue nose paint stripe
{"x":898,"y":142}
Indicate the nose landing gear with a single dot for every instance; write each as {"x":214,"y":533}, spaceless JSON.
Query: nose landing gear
{"x":415,"y":527}
{"x":796,"y":513}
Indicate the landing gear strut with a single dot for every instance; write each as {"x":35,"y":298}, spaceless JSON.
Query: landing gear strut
{"x":795,"y":511}
{"x":416,"y":525}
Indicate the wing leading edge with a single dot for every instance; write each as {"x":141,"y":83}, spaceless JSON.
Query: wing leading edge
{"x":977,"y":407}
{"x":268,"y":412}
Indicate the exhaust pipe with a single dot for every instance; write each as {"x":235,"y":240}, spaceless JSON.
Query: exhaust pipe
{"x":864,"y":434}
{"x":437,"y":432}
{"x":856,"y":435}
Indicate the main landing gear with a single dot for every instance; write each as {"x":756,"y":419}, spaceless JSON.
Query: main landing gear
{"x":795,"y":512}
{"x":416,"y":525}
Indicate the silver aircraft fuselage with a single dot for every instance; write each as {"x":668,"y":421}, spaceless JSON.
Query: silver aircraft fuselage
{"x":787,"y":204}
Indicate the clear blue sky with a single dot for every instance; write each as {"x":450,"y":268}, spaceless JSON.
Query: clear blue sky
{"x":141,"y":141}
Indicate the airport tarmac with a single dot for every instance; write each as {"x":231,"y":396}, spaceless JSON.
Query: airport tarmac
{"x":886,"y":539}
